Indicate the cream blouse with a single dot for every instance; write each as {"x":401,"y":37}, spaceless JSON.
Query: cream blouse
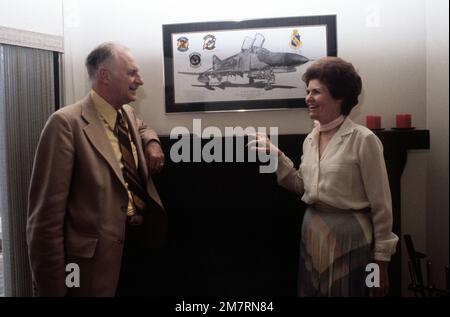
{"x":351,"y":174}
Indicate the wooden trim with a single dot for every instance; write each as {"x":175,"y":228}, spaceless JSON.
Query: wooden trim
{"x":31,"y":39}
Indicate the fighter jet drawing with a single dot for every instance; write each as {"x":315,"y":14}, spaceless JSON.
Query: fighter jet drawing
{"x":254,"y":61}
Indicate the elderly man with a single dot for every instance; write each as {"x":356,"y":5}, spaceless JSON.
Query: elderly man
{"x":93,"y":208}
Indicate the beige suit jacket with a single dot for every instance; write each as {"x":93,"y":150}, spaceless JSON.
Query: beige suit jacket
{"x":78,"y":202}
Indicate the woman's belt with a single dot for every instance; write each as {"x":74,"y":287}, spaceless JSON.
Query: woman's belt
{"x":321,"y":207}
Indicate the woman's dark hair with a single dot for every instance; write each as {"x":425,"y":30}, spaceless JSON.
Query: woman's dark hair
{"x":341,"y":79}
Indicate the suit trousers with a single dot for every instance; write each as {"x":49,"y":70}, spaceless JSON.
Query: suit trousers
{"x":143,"y":271}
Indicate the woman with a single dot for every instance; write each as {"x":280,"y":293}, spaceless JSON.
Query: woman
{"x":343,"y":179}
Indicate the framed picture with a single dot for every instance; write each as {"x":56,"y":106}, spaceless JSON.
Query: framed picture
{"x":245,"y":65}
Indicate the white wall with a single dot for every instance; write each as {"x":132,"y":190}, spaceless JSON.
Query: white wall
{"x":43,"y":16}
{"x":437,"y":122}
{"x":386,"y":40}
{"x":390,"y":56}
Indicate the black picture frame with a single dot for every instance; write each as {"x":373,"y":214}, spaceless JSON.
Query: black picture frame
{"x":261,"y":92}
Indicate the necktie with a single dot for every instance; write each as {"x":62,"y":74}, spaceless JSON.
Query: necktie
{"x":129,"y":171}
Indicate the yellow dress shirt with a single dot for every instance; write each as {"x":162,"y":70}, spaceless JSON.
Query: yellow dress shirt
{"x":108,"y":115}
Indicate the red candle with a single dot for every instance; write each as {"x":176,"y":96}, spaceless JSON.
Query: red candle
{"x":373,"y":122}
{"x":403,"y":121}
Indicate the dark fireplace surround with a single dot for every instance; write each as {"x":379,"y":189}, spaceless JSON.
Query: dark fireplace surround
{"x":235,"y":232}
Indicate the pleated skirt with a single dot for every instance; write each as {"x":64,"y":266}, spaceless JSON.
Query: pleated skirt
{"x":335,"y":248}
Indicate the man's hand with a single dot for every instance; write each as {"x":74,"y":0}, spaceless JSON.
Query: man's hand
{"x":384,"y":280}
{"x":154,"y":156}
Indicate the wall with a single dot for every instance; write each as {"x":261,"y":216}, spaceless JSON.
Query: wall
{"x":43,"y":16}
{"x":437,"y":122}
{"x":384,"y":39}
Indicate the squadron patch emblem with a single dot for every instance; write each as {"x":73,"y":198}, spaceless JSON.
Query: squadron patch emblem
{"x":209,"y":42}
{"x":183,"y":44}
{"x":195,"y":60}
{"x":295,"y":42}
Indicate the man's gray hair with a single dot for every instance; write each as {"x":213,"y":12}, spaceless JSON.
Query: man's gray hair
{"x":100,"y":55}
